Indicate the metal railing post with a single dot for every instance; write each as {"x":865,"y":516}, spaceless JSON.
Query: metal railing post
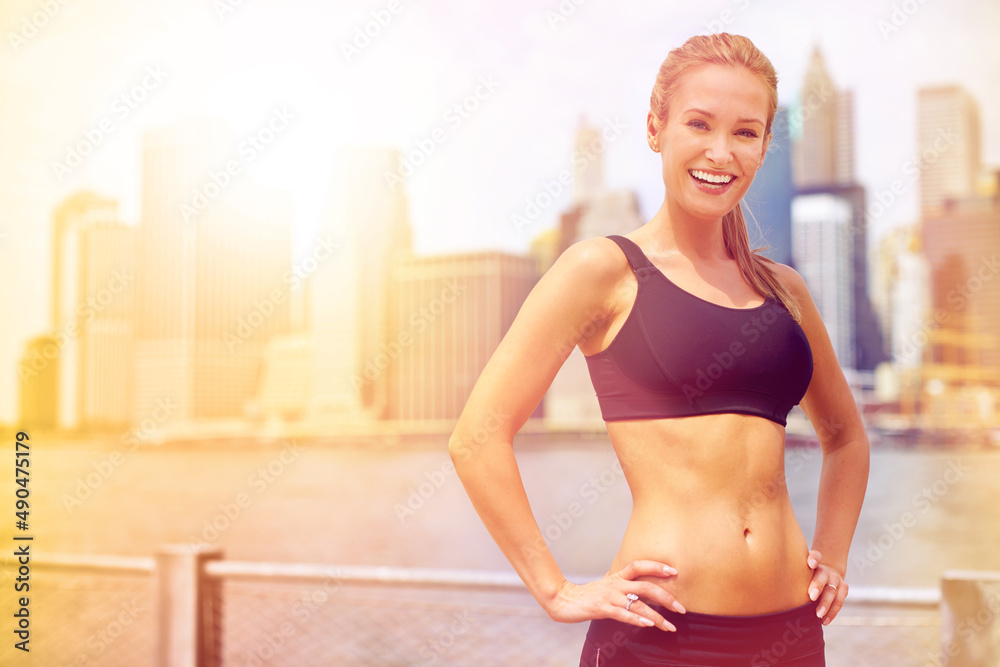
{"x":970,"y":618}
{"x":187,"y":608}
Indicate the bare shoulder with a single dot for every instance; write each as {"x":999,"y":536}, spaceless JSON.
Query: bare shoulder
{"x":591,"y":269}
{"x":792,"y":279}
{"x":597,"y":257}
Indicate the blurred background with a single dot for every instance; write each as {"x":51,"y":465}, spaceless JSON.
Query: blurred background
{"x":254,"y":256}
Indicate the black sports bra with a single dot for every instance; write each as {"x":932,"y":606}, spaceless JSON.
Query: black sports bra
{"x":678,"y":355}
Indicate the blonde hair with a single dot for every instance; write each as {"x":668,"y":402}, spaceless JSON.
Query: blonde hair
{"x":735,"y":51}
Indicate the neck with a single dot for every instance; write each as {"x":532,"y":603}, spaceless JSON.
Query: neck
{"x":675,"y":230}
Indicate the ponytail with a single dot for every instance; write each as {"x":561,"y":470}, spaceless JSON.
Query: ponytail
{"x":757,"y":269}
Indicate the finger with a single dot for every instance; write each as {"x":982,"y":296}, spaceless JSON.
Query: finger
{"x":642,"y":615}
{"x":819,"y":581}
{"x":813,"y":558}
{"x":638,"y":568}
{"x":829,"y":594}
{"x":837,"y":604}
{"x":644,"y":610}
{"x":651,"y":591}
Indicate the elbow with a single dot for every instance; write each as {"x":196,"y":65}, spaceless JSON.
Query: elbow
{"x":456,"y":443}
{"x":457,"y":451}
{"x":834,"y":437}
{"x":854,"y":450}
{"x":473,"y":436}
{"x":464,"y":449}
{"x":461,"y":448}
{"x":856,"y":445}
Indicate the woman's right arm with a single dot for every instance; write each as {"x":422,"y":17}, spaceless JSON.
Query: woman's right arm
{"x":574,"y":295}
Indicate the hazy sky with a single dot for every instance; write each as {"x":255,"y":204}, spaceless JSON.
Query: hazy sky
{"x":113,"y":69}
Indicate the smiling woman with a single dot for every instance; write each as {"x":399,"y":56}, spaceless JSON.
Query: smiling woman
{"x":698,"y":348}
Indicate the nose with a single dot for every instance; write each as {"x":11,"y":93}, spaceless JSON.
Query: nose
{"x":719,"y":150}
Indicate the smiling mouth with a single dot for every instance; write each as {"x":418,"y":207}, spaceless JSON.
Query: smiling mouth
{"x":712,"y":181}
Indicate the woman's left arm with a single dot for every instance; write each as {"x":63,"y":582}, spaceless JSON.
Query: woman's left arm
{"x":831,"y":409}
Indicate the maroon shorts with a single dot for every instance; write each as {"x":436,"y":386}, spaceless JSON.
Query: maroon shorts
{"x":789,"y":638}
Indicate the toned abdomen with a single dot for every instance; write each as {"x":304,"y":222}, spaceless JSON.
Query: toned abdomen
{"x":709,"y":499}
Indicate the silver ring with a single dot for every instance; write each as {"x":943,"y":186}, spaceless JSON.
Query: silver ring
{"x":632,"y":597}
{"x":833,"y":587}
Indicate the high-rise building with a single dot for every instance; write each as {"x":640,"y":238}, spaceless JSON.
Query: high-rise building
{"x":901,"y":295}
{"x":93,"y":297}
{"x":769,"y":199}
{"x":608,"y":212}
{"x":822,"y":130}
{"x":911,"y":308}
{"x":107,"y":360}
{"x":366,"y":224}
{"x":868,"y":343}
{"x":595,"y":210}
{"x":213,"y":257}
{"x":587,"y":162}
{"x":821,"y":248}
{"x":960,"y":237}
{"x":843,"y":133}
{"x":962,"y":246}
{"x":948,"y":140}
{"x":545,"y":246}
{"x":448,"y":316}
{"x":286,"y":379}
{"x":38,"y":373}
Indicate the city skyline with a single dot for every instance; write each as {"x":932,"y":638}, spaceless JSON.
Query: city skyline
{"x":115,"y":160}
{"x":197,"y":271}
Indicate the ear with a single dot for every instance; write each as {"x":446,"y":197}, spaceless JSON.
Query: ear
{"x":650,"y":128}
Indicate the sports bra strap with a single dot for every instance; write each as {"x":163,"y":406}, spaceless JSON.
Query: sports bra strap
{"x":633,"y":253}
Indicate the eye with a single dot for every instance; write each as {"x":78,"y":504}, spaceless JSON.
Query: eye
{"x":697,"y":123}
{"x":749,"y":133}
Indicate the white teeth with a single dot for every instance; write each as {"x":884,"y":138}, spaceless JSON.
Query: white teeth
{"x":711,"y":178}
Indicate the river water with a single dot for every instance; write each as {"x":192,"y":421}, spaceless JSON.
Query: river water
{"x":378,"y":503}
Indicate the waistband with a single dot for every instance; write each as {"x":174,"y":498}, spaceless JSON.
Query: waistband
{"x":788,"y":637}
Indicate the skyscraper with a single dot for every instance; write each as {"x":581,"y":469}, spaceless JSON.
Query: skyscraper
{"x":92,"y":311}
{"x":869,"y":346}
{"x":822,"y":252}
{"x":286,"y":379}
{"x":38,"y":373}
{"x":213,"y":249}
{"x":587,"y":162}
{"x":948,"y":139}
{"x":596,"y":210}
{"x":366,"y":223}
{"x":608,"y":212}
{"x":960,"y":237}
{"x":910,"y":303}
{"x":448,"y":316}
{"x":962,"y":247}
{"x":822,"y":130}
{"x":903,"y":294}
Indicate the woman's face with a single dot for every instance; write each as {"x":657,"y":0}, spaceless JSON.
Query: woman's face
{"x":714,"y":131}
